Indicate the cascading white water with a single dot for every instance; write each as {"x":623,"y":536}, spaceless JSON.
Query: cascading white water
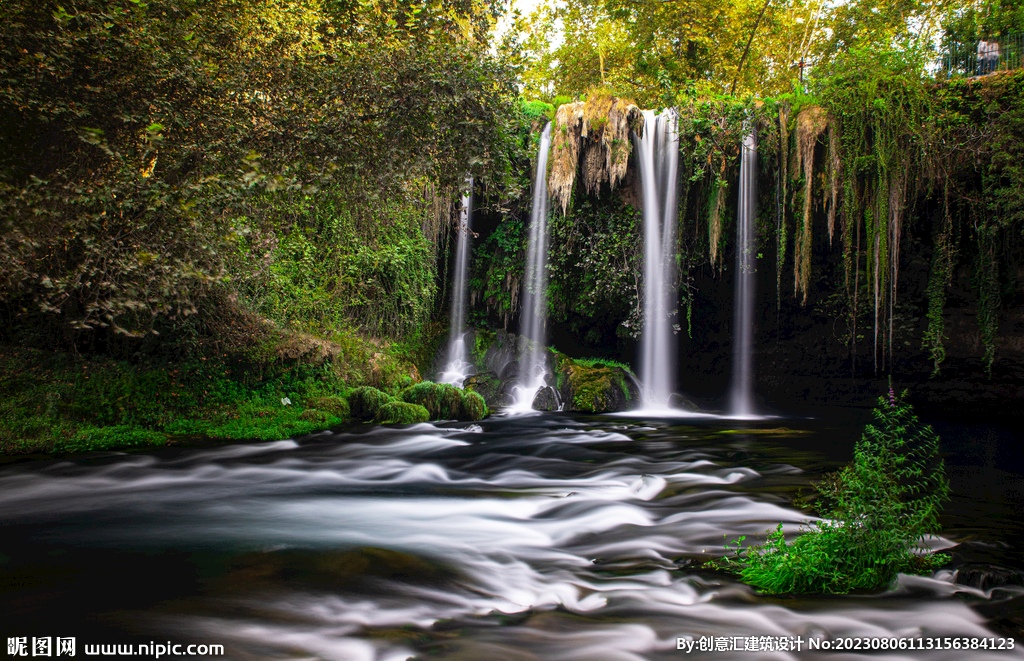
{"x":533,"y":365}
{"x":742,"y":404}
{"x":458,"y":368}
{"x":658,"y":156}
{"x":532,"y":538}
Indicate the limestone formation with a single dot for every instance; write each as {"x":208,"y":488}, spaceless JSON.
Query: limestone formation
{"x":591,"y":140}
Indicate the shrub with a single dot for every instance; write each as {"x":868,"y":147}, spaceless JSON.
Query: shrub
{"x":877,"y":510}
{"x":365,"y":402}
{"x":401,"y":413}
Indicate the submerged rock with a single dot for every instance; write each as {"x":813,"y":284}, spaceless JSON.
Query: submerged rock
{"x":680,"y":401}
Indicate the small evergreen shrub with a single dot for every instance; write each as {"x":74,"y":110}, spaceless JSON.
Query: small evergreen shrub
{"x":876,"y":511}
{"x":401,"y":413}
{"x":365,"y":402}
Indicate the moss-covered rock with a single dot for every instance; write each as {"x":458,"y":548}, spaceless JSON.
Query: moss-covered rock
{"x":596,"y":387}
{"x":442,"y":400}
{"x":485,"y":384}
{"x":401,"y":413}
{"x":446,"y":402}
{"x":366,"y":402}
{"x":473,"y":406}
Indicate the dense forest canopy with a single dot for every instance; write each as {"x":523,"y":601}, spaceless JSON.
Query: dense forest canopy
{"x":651,"y":50}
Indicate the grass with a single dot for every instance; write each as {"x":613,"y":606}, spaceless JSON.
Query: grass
{"x":284,"y":385}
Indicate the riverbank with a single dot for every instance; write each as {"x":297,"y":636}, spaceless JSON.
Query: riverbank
{"x":282,"y":384}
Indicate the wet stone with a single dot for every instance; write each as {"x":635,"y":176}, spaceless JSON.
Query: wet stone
{"x":546,"y":399}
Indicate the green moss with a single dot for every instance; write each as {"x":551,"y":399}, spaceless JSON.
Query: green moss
{"x":110,"y":438}
{"x":589,"y":385}
{"x":401,"y":413}
{"x":442,"y":400}
{"x":601,"y":363}
{"x":473,"y":406}
{"x":314,"y":415}
{"x":335,"y":406}
{"x":446,"y":402}
{"x":366,"y":402}
{"x":483,"y":340}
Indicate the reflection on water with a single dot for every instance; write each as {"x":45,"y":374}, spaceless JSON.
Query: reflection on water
{"x":538,"y":537}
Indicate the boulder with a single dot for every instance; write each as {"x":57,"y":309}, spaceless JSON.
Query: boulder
{"x":485,"y":384}
{"x":546,"y":399}
{"x":596,"y":387}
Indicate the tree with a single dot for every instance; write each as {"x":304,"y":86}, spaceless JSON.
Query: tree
{"x":135,"y":132}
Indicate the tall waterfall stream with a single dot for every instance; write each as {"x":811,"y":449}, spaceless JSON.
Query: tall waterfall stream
{"x":548,"y":537}
{"x":533,"y":370}
{"x":458,"y":366}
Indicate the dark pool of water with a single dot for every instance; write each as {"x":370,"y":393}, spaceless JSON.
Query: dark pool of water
{"x":535,"y":537}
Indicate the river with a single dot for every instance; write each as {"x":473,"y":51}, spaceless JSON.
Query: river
{"x":535,"y":537}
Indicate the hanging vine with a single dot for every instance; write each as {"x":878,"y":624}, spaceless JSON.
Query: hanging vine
{"x":883,"y":107}
{"x":938,"y":279}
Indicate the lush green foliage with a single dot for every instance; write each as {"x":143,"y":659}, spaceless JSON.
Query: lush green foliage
{"x":141,"y":136}
{"x":366,"y":402}
{"x":401,"y":413}
{"x":54,"y":402}
{"x":877,"y":510}
{"x":323,"y":263}
{"x":446,"y":402}
{"x":596,"y":269}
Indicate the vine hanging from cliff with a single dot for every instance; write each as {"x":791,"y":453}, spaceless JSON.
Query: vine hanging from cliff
{"x":881,"y":103}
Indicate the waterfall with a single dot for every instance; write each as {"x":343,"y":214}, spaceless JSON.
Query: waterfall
{"x":533,"y":365}
{"x":658,"y":156}
{"x":458,"y":368}
{"x":741,"y":404}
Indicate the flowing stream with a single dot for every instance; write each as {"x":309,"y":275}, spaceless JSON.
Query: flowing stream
{"x":521,"y":538}
{"x":458,"y":368}
{"x":658,"y":156}
{"x":533,"y":329}
{"x":742,"y":395}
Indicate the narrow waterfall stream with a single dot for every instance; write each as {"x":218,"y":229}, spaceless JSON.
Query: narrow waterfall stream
{"x":533,"y":330}
{"x":458,"y":368}
{"x":741,"y":403}
{"x":658,"y":156}
{"x":549,"y":537}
